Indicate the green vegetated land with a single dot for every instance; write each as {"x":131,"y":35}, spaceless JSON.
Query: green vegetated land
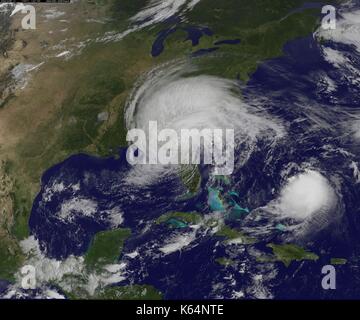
{"x":233,"y":234}
{"x":286,"y":253}
{"x":101,"y":78}
{"x":191,"y":178}
{"x":106,"y":247}
{"x":10,"y":258}
{"x":338,"y":261}
{"x":225,"y":261}
{"x":187,"y":217}
{"x":126,"y":292}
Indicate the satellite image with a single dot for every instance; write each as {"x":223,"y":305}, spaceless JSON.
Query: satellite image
{"x":105,"y":193}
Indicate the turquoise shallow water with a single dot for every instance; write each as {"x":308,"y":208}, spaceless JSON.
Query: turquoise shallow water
{"x":214,"y":200}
